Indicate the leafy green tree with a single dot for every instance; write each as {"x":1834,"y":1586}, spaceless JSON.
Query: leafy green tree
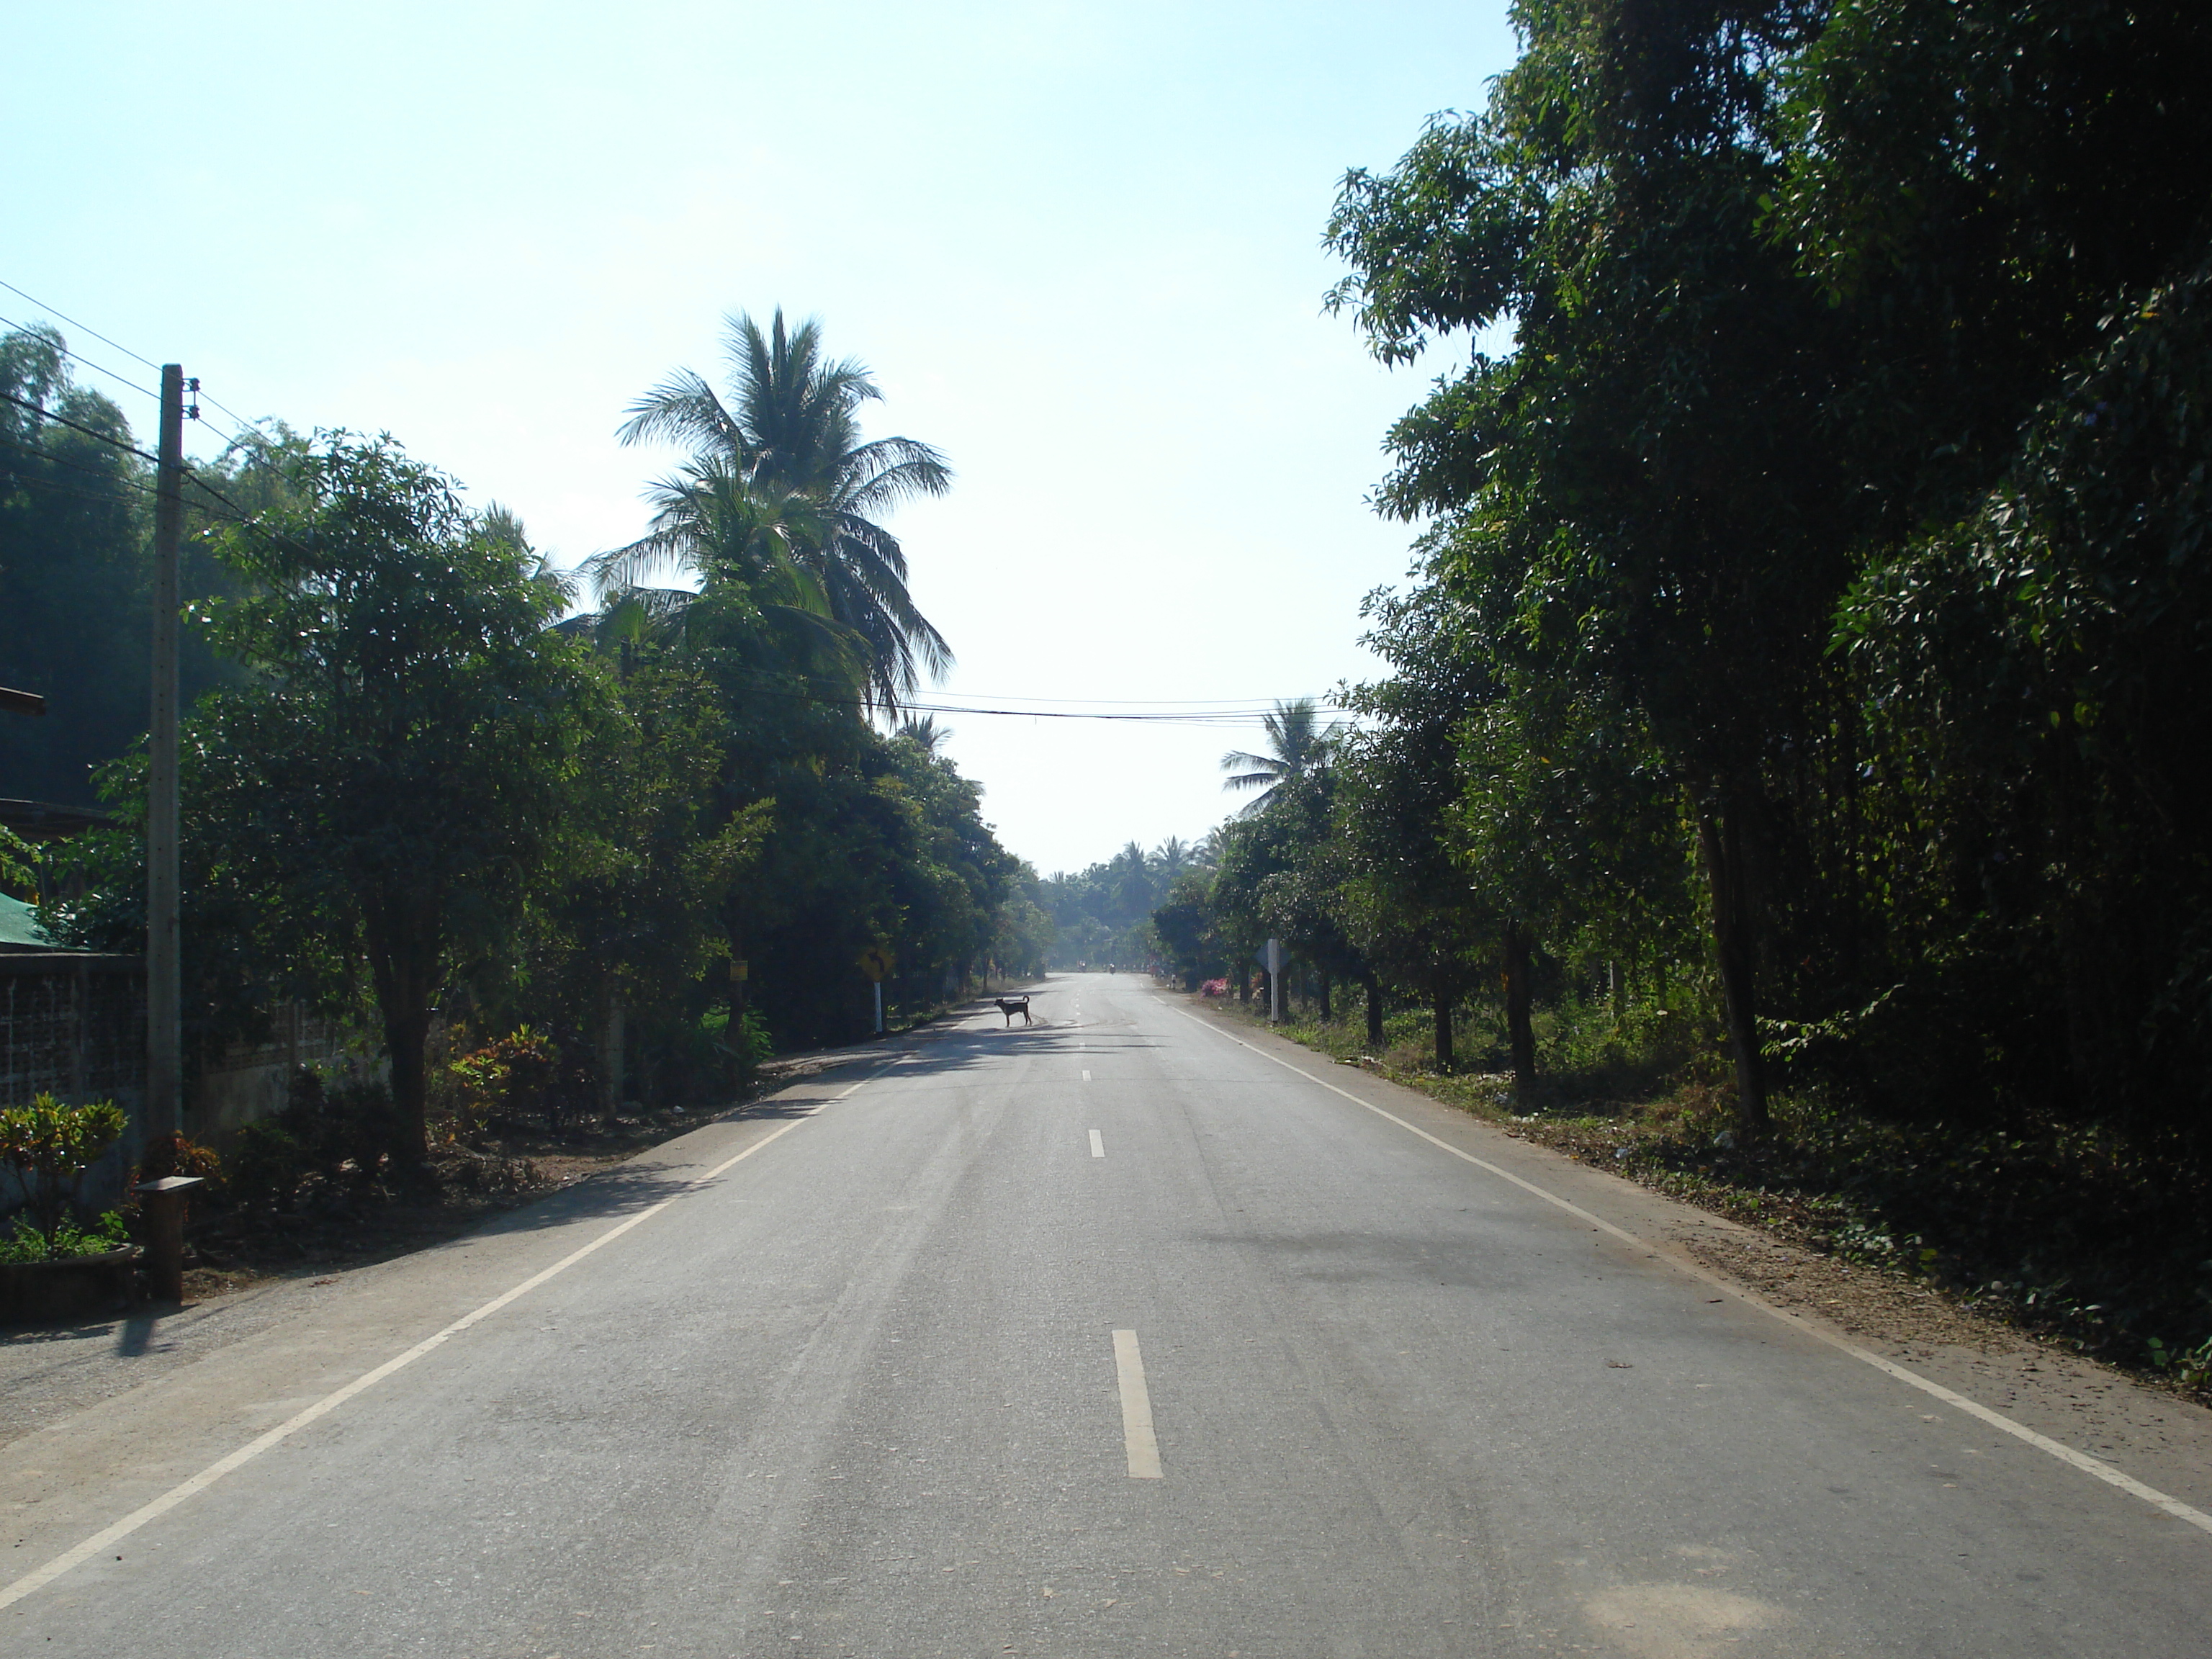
{"x":1184,"y":924}
{"x":927,"y":734}
{"x":75,"y":575}
{"x":2039,"y":666}
{"x":628,"y":910}
{"x":393,"y":776}
{"x":1646,"y":493}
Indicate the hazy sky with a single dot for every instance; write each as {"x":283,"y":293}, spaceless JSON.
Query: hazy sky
{"x":1078,"y":245}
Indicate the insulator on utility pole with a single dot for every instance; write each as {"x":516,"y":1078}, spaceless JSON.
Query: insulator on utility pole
{"x":164,"y":1059}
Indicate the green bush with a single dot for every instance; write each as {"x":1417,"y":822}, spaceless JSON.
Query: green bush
{"x":335,"y":1131}
{"x":63,"y":1239}
{"x":267,"y":1165}
{"x":50,"y":1144}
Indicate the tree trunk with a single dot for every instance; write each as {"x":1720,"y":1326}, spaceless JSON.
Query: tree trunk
{"x":611,"y":1058}
{"x":1325,"y":1015}
{"x":1520,"y":1036}
{"x":1443,"y":1000}
{"x":1720,"y":843}
{"x":403,"y":965}
{"x":1374,"y":1014}
{"x":406,"y":1040}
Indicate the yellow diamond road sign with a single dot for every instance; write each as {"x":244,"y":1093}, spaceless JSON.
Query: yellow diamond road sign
{"x":875,"y":962}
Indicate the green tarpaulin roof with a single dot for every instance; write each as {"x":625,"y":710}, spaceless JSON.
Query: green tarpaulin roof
{"x":19,"y":926}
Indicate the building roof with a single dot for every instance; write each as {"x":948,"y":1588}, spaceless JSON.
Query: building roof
{"x":19,"y":927}
{"x":44,"y":820}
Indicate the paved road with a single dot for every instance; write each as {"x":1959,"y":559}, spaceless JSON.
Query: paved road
{"x":1107,"y":1337}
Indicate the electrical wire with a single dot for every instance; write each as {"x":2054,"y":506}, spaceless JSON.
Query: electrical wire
{"x":1195,"y":704}
{"x":243,"y":516}
{"x":1219,"y":719}
{"x":78,"y":466}
{"x":78,"y":426}
{"x":99,"y":368}
{"x":245,"y":428}
{"x":62,"y":489}
{"x":87,"y":327}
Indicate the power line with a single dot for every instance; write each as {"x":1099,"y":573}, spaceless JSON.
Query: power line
{"x":62,"y":489}
{"x":77,"y":466}
{"x":1199,"y":704}
{"x":1198,"y":717}
{"x":101,"y":368}
{"x":1181,"y":717}
{"x":78,"y":426}
{"x":87,"y":327}
{"x":242,"y":519}
{"x":246,"y":427}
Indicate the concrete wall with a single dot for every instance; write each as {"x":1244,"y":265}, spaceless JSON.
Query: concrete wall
{"x":249,"y":1084}
{"x":73,"y":1025}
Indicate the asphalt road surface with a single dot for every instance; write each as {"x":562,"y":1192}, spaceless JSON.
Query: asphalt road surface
{"x":1114,"y":1335}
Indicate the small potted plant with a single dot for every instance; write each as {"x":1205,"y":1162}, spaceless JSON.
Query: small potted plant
{"x":53,"y":1263}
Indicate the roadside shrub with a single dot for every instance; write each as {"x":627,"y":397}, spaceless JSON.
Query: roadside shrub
{"x":176,"y":1154}
{"x":267,"y":1167}
{"x":333,"y":1132}
{"x":63,"y":1239}
{"x":50,"y":1144}
{"x":726,"y":1060}
{"x":520,"y":1072}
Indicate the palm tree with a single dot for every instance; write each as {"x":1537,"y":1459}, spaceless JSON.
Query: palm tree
{"x":757,"y":602}
{"x":1170,"y":859}
{"x":1300,"y":747}
{"x":927,"y":732}
{"x":1129,"y":884}
{"x":790,"y":430}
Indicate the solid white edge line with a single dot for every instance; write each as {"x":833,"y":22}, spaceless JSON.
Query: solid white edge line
{"x":1137,"y":1440}
{"x":2043,"y":1442}
{"x":39,"y":1577}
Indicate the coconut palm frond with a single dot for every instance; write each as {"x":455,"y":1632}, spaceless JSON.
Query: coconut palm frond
{"x":683,"y":409}
{"x":619,"y":569}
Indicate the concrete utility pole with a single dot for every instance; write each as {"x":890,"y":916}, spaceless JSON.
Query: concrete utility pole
{"x":164,"y":1060}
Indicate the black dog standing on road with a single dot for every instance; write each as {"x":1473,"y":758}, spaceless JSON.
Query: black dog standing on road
{"x":1012,"y":1006}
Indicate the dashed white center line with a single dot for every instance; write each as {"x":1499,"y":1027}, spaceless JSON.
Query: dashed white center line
{"x":1097,"y":1145}
{"x":1144,"y":1449}
{"x":1086,"y":1077}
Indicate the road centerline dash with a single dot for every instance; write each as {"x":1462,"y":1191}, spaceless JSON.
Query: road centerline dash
{"x":1136,"y":1437}
{"x":1097,"y":1145}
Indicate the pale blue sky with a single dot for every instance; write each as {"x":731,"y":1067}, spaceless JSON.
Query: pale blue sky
{"x":1079,"y":246}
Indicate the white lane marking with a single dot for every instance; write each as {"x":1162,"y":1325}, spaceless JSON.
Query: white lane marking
{"x":1143,"y":1448}
{"x":39,"y":1577}
{"x":2043,"y":1442}
{"x":1086,"y":1077}
{"x":1097,"y":1145}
